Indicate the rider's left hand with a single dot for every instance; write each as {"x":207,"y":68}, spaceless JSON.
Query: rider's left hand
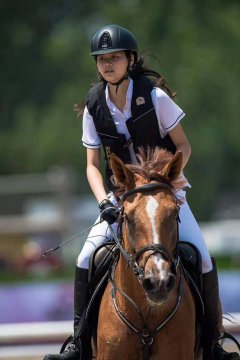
{"x":108,"y":211}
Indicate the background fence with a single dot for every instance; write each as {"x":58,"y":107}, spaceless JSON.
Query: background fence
{"x":31,"y":341}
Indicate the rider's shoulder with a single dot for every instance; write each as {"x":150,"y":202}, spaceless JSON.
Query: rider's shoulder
{"x":94,"y":92}
{"x":160,"y":96}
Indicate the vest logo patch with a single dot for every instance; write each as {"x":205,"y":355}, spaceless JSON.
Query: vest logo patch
{"x":140,"y":100}
{"x":113,"y":180}
{"x":108,"y":155}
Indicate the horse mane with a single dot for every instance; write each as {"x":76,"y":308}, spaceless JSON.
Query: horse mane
{"x":151,"y":162}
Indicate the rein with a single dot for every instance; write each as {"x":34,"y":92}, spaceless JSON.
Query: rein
{"x":146,"y":336}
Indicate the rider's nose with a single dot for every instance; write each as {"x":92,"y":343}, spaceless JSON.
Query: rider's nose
{"x":107,"y":63}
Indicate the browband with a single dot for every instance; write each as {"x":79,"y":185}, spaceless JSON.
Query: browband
{"x":145,"y":188}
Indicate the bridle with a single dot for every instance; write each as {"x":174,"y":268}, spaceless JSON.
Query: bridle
{"x":146,"y":336}
{"x":133,"y":258}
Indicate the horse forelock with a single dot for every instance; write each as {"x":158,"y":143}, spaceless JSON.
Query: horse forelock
{"x":150,"y":164}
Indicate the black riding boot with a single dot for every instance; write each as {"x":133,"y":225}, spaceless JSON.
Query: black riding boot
{"x":75,"y":350}
{"x":213,"y":319}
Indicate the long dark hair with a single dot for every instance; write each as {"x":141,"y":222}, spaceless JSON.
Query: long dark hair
{"x":136,"y":70}
{"x":158,"y":80}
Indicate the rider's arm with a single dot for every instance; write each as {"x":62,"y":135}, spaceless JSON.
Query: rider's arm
{"x":94,"y":175}
{"x":181,"y":142}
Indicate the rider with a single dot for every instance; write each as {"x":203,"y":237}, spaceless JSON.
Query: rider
{"x":117,"y":114}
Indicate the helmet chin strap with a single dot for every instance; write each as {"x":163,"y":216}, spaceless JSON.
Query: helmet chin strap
{"x":125,"y":77}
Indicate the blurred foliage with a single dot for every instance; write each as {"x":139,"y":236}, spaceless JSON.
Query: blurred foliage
{"x":46,"y":68}
{"x":62,"y":273}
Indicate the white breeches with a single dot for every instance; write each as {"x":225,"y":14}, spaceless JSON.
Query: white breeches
{"x":189,"y":231}
{"x":97,"y":236}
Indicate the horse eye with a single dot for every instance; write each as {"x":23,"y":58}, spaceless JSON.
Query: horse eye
{"x":129,"y":219}
{"x":176,"y":213}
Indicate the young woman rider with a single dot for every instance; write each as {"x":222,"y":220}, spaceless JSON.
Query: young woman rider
{"x":123,"y":111}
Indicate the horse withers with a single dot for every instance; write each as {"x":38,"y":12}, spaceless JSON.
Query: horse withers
{"x":147,"y":310}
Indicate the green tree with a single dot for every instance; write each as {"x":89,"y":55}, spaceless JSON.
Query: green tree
{"x":46,"y":68}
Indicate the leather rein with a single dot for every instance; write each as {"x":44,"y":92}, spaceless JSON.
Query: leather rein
{"x":146,"y":336}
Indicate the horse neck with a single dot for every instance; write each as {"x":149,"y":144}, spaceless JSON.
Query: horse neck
{"x":127,"y":281}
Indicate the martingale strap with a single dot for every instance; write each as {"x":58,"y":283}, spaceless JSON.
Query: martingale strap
{"x":146,"y":336}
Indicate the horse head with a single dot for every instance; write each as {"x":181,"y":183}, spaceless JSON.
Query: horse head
{"x":150,"y":212}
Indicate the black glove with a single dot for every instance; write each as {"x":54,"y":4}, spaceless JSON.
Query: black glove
{"x":108,"y":211}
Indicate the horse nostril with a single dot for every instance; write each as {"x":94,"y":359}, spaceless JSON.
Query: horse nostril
{"x":170,"y":283}
{"x":148,"y":285}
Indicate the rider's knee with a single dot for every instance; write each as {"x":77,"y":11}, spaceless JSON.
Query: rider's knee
{"x":83,"y":261}
{"x":206,"y":265}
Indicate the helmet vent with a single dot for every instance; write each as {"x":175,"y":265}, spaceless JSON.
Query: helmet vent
{"x":105,"y":41}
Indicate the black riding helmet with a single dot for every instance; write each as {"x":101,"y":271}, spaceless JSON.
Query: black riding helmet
{"x":112,"y":38}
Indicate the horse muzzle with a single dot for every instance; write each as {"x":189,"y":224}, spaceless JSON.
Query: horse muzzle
{"x":158,"y":288}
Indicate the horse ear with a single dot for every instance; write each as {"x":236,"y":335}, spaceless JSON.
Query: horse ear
{"x":122,"y":174}
{"x":173,"y":169}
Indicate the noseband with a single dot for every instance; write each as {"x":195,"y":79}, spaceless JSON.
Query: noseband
{"x":133,"y":259}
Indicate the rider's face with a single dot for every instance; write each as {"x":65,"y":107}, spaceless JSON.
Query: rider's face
{"x":112,"y":66}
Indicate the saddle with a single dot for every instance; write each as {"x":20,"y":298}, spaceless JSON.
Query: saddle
{"x":101,"y":259}
{"x":191,"y":261}
{"x":190,"y":258}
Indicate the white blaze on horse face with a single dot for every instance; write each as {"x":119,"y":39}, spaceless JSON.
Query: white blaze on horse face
{"x":161,"y":266}
{"x":151,"y":208}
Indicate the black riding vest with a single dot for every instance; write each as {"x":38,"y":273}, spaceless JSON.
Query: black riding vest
{"x":142,"y":126}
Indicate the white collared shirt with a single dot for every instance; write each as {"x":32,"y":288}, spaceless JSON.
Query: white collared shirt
{"x":169,"y":114}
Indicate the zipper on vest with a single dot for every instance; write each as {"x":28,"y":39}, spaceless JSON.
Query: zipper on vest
{"x":144,"y":114}
{"x":115,"y":137}
{"x":128,"y":143}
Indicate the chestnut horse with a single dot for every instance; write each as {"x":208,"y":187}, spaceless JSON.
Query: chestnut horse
{"x":147,"y":310}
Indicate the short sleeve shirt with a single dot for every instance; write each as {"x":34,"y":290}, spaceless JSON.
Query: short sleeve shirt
{"x":169,"y":114}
